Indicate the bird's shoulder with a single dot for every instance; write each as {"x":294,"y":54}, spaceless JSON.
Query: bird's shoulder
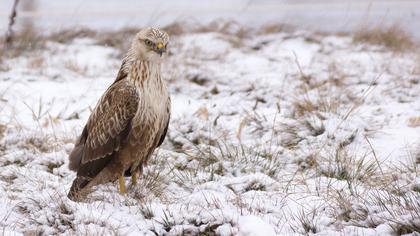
{"x":123,"y":89}
{"x":120,"y":95}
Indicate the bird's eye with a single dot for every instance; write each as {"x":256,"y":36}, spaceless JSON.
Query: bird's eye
{"x":148,"y":42}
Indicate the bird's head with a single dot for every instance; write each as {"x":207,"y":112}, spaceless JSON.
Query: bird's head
{"x":150,"y":44}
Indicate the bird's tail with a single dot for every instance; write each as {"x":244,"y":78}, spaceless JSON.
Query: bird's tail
{"x":88,"y":172}
{"x":77,"y":191}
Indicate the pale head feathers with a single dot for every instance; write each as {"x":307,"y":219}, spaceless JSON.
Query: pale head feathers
{"x":150,"y":44}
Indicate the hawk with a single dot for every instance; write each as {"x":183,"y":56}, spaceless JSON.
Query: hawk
{"x":129,"y":122}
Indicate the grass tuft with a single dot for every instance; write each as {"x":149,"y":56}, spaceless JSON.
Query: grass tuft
{"x":146,"y":211}
{"x":393,"y":37}
{"x":25,"y":41}
{"x":307,"y":224}
{"x":344,"y":166}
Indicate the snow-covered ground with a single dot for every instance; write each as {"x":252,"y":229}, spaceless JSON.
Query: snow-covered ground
{"x":282,"y":133}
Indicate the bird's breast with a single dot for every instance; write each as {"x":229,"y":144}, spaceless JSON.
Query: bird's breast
{"x":154,"y":101}
{"x":148,"y":124}
{"x":152,"y":112}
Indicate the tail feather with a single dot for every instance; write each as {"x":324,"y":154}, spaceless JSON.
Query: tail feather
{"x":75,"y":193}
{"x":85,"y":173}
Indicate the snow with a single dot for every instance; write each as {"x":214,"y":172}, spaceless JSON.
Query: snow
{"x":256,"y":145}
{"x":252,"y":225}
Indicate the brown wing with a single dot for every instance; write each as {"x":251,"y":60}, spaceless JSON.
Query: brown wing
{"x":122,"y":73}
{"x":124,"y":69}
{"x":108,"y":125}
{"x":110,"y":122}
{"x":76,"y":154}
{"x":106,"y":130}
{"x":162,"y":137}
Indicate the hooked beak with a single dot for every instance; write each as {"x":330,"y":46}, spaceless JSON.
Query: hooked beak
{"x":160,"y":48}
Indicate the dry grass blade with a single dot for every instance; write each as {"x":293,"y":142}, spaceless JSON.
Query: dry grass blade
{"x":9,"y":34}
{"x":394,"y":37}
{"x":374,"y":154}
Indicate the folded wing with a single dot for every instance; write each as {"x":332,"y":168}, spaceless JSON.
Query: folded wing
{"x":106,"y":131}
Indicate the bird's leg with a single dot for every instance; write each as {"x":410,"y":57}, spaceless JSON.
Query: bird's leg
{"x":134,"y":178}
{"x":121,"y":181}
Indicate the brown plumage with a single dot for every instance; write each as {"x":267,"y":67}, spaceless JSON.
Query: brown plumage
{"x":129,"y":121}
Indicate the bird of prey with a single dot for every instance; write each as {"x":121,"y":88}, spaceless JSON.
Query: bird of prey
{"x":129,"y":121}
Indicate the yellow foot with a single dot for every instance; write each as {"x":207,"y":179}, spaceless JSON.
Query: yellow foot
{"x":134,"y":178}
{"x":121,"y":181}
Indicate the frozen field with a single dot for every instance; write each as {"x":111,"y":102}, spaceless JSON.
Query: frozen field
{"x":272,"y":133}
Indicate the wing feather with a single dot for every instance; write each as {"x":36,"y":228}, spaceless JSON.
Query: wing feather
{"x":76,"y":154}
{"x":162,"y":137}
{"x":124,"y":69}
{"x":110,"y":122}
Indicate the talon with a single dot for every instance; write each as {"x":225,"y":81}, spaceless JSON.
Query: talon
{"x":121,"y":181}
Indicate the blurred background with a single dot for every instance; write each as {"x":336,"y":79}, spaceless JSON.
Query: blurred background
{"x":315,"y":15}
